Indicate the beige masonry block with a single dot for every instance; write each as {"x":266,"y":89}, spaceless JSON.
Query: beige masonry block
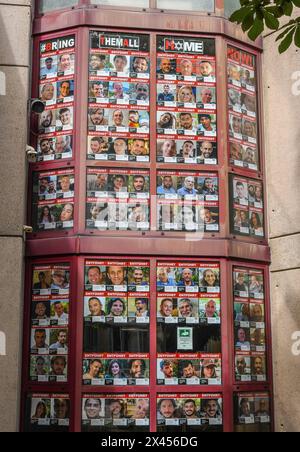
{"x":14,"y":35}
{"x":281,"y":78}
{"x":13,"y":138}
{"x":285,"y":301}
{"x":11,"y":314}
{"x":285,"y":252}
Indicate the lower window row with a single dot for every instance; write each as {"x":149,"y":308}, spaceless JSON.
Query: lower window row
{"x":131,"y":412}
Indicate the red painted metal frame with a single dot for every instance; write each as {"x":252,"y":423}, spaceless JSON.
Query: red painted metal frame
{"x":79,"y":244}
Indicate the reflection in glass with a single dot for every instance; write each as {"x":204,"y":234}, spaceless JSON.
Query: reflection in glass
{"x":189,"y":5}
{"x":51,"y":5}
{"x":124,"y":3}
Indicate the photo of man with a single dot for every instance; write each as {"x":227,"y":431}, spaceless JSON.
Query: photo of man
{"x":242,"y":340}
{"x":48,"y":67}
{"x":60,"y":279}
{"x":138,"y":147}
{"x":95,"y":307}
{"x":46,"y":146}
{"x":188,"y":187}
{"x":65,"y":90}
{"x":120,"y":64}
{"x":40,"y":311}
{"x":63,"y":144}
{"x":97,"y":182}
{"x":95,"y":275}
{"x":39,"y":339}
{"x":241,"y":192}
{"x":207,"y":151}
{"x":206,"y":69}
{"x":47,"y":120}
{"x":118,"y":119}
{"x":95,"y":370}
{"x":167,"y":186}
{"x":116,"y":276}
{"x":39,"y":366}
{"x":98,"y":90}
{"x":48,"y":93}
{"x":188,"y":369}
{"x":185,"y":67}
{"x":258,"y":366}
{"x":188,"y":150}
{"x":166,"y":66}
{"x":166,"y":93}
{"x":188,"y":278}
{"x":189,"y":409}
{"x":242,"y":366}
{"x":98,"y":117}
{"x":142,"y":93}
{"x":187,"y":308}
{"x":59,"y":312}
{"x":140,"y":65}
{"x":59,"y":340}
{"x":99,"y":63}
{"x":66,"y":63}
{"x":167,"y":369}
{"x":93,"y":408}
{"x":65,"y":118}
{"x":166,"y":409}
{"x":58,"y":366}
{"x":207,"y":124}
{"x":167,"y":308}
{"x":164,"y":279}
{"x":137,"y":368}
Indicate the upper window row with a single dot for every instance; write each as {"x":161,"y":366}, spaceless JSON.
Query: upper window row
{"x":190,"y":5}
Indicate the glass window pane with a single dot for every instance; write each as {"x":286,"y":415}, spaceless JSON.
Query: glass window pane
{"x":50,"y":5}
{"x":125,"y":3}
{"x":230,"y":6}
{"x":189,"y":5}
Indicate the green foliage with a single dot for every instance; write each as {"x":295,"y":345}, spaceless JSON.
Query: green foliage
{"x":256,"y":16}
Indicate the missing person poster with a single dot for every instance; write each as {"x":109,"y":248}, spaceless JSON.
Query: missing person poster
{"x":117,"y":292}
{"x":53,"y":200}
{"x":249,"y":321}
{"x":57,"y":91}
{"x":48,"y":412}
{"x":116,"y":369}
{"x":119,"y":412}
{"x":119,"y":97}
{"x":188,"y":307}
{"x":252,"y":408}
{"x":50,"y":319}
{"x":242,"y":110}
{"x":247,"y":207}
{"x":189,"y":369}
{"x":186,"y":100}
{"x":118,"y":199}
{"x":191,"y":410}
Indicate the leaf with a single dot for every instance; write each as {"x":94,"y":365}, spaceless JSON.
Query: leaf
{"x":297,"y":37}
{"x":256,"y":30}
{"x":248,"y":22}
{"x":271,"y":21}
{"x":296,"y":3}
{"x":287,"y":30}
{"x":239,"y":16}
{"x":288,"y":8}
{"x":287,"y":41}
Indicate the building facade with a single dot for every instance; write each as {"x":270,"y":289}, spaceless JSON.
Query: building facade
{"x":146,"y":273}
